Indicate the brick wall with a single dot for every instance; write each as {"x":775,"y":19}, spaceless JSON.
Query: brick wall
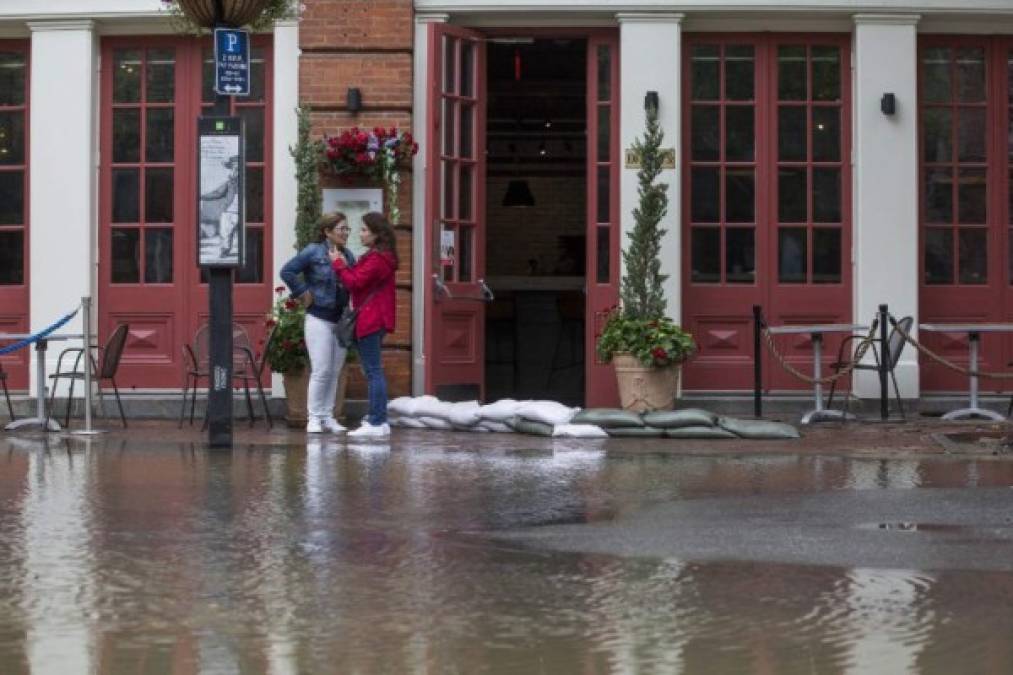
{"x":558,"y":211}
{"x":365,"y":44}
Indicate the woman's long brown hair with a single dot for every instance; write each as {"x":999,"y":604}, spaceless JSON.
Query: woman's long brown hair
{"x":386,"y":239}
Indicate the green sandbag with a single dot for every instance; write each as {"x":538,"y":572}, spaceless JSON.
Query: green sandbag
{"x":530,"y":427}
{"x":757,"y":429}
{"x":609,"y":418}
{"x":673,"y":419}
{"x":639,"y":432}
{"x":699,"y":432}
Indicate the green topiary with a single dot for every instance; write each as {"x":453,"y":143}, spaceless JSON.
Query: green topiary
{"x":306,"y":154}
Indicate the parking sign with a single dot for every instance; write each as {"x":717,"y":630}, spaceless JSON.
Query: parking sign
{"x":232,"y":62}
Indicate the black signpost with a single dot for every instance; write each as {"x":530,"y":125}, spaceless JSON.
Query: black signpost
{"x":221,"y":218}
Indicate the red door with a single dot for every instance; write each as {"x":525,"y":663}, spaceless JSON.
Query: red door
{"x":14,"y":233}
{"x":966,"y":153}
{"x":152,"y":92}
{"x":602,"y":209}
{"x":766,"y":206}
{"x":455,"y":215}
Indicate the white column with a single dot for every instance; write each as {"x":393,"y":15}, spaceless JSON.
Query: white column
{"x":650,"y":56}
{"x":886,"y":181}
{"x":286,"y":131}
{"x":420,"y":263}
{"x":63,"y":174}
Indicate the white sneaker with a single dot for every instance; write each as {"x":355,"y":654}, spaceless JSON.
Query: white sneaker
{"x":368,"y":430}
{"x":333,"y":426}
{"x":314,"y":426}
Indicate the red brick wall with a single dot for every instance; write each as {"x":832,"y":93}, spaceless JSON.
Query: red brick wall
{"x":365,"y":44}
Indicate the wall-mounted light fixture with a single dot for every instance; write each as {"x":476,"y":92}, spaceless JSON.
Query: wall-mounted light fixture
{"x":353,"y":100}
{"x":888,"y":104}
{"x":651,"y":100}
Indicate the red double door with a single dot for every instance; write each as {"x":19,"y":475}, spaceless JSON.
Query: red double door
{"x":766,"y":217}
{"x":152,"y":91}
{"x":454,"y":344}
{"x":965,"y":94}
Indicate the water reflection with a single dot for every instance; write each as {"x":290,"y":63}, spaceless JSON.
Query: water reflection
{"x":363,"y":558}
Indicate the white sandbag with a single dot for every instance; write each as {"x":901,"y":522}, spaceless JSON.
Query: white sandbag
{"x":431,"y":422}
{"x":547,"y":412}
{"x":578,"y":431}
{"x":406,"y":422}
{"x":433,"y":407}
{"x":406,"y":406}
{"x":464,"y":415}
{"x":501,"y":411}
{"x":494,"y":426}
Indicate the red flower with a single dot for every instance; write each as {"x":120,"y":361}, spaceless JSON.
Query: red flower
{"x":659,"y":353}
{"x":279,"y":289}
{"x":271,"y":323}
{"x":291,"y":304}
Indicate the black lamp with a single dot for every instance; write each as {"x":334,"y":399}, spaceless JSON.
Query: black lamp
{"x":651,"y":100}
{"x":353,"y":100}
{"x":888,"y":104}
{"x":518,"y":194}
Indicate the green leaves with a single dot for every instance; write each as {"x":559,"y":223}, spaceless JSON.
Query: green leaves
{"x":306,"y":154}
{"x":654,"y":342}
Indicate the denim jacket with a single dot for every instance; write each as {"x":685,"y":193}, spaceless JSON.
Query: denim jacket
{"x":310,"y":270}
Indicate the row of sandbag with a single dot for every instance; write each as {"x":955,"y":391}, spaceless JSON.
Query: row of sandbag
{"x":549,"y":418}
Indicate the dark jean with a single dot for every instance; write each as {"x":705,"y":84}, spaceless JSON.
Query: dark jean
{"x":369,"y":352}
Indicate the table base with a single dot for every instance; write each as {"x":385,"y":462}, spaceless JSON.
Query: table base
{"x":967,"y":413}
{"x":824,"y":415}
{"x":41,"y":422}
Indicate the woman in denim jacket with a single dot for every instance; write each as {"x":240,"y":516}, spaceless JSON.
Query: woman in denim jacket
{"x":311,"y":279}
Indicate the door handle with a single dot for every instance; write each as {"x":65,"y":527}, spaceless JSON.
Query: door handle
{"x":487,"y":294}
{"x":441,"y":288}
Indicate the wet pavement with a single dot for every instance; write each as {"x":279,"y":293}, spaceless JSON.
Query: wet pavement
{"x":862,"y":549}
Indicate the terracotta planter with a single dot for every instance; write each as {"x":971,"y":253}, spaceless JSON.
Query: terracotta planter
{"x":645,"y":388}
{"x":296,"y":389}
{"x":234,"y":12}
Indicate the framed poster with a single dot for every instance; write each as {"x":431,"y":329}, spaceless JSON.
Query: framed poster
{"x":221,"y":207}
{"x":354,"y":203}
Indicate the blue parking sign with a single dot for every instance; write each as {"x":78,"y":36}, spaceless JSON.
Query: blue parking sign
{"x":232,"y":62}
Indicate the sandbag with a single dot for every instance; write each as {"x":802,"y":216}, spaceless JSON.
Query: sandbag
{"x":531,"y":427}
{"x":610,"y":418}
{"x":464,"y":414}
{"x":498,"y":427}
{"x":406,"y":406}
{"x":674,"y":419}
{"x":547,"y":412}
{"x":501,"y":411}
{"x":435,"y":422}
{"x":699,"y":432}
{"x":757,"y":429}
{"x":432,"y":407}
{"x":639,"y":432}
{"x":578,"y":431}
{"x":406,"y":422}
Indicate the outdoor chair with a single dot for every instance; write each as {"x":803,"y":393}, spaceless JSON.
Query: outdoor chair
{"x":245,"y":367}
{"x":895,"y":345}
{"x":103,"y":369}
{"x":7,"y":395}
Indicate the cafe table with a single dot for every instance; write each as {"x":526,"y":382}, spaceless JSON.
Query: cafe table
{"x":974,"y":331}
{"x":41,"y":420}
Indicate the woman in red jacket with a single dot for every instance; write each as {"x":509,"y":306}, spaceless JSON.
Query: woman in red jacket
{"x":371,"y":283}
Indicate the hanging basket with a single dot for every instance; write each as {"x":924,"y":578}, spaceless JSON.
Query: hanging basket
{"x":234,"y":12}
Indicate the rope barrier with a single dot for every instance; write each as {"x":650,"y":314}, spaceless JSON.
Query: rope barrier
{"x":42,"y":334}
{"x":942,"y":360}
{"x":863,"y":347}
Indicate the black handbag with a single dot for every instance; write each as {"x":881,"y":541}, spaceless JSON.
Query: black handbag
{"x":345,"y":328}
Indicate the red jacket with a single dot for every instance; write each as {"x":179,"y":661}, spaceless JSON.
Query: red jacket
{"x":374,"y":271}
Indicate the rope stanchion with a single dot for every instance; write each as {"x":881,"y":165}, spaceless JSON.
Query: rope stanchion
{"x":863,"y":347}
{"x":942,"y":360}
{"x":41,"y":335}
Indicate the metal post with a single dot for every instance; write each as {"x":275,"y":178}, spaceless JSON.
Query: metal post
{"x":86,"y":344}
{"x":757,"y":362}
{"x":884,"y":363}
{"x":220,"y":324}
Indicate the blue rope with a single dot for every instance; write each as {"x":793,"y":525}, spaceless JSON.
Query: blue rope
{"x":21,"y":344}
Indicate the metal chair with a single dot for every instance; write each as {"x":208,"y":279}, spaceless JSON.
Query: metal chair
{"x":7,"y":395}
{"x":106,"y":369}
{"x":245,"y":367}
{"x":895,"y":346}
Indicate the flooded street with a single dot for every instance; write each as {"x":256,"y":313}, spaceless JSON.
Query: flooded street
{"x":162,"y":557}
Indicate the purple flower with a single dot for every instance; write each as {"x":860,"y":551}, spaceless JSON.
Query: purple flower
{"x":373,"y":144}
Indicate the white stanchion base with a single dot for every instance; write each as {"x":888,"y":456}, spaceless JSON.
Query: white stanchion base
{"x":826,"y":416}
{"x":28,"y":422}
{"x":968,"y":413}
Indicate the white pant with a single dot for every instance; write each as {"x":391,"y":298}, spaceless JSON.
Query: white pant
{"x":327,"y":357}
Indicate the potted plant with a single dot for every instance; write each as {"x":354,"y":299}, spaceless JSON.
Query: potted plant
{"x":196,"y":16}
{"x":646,"y":347}
{"x":378,"y":156}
